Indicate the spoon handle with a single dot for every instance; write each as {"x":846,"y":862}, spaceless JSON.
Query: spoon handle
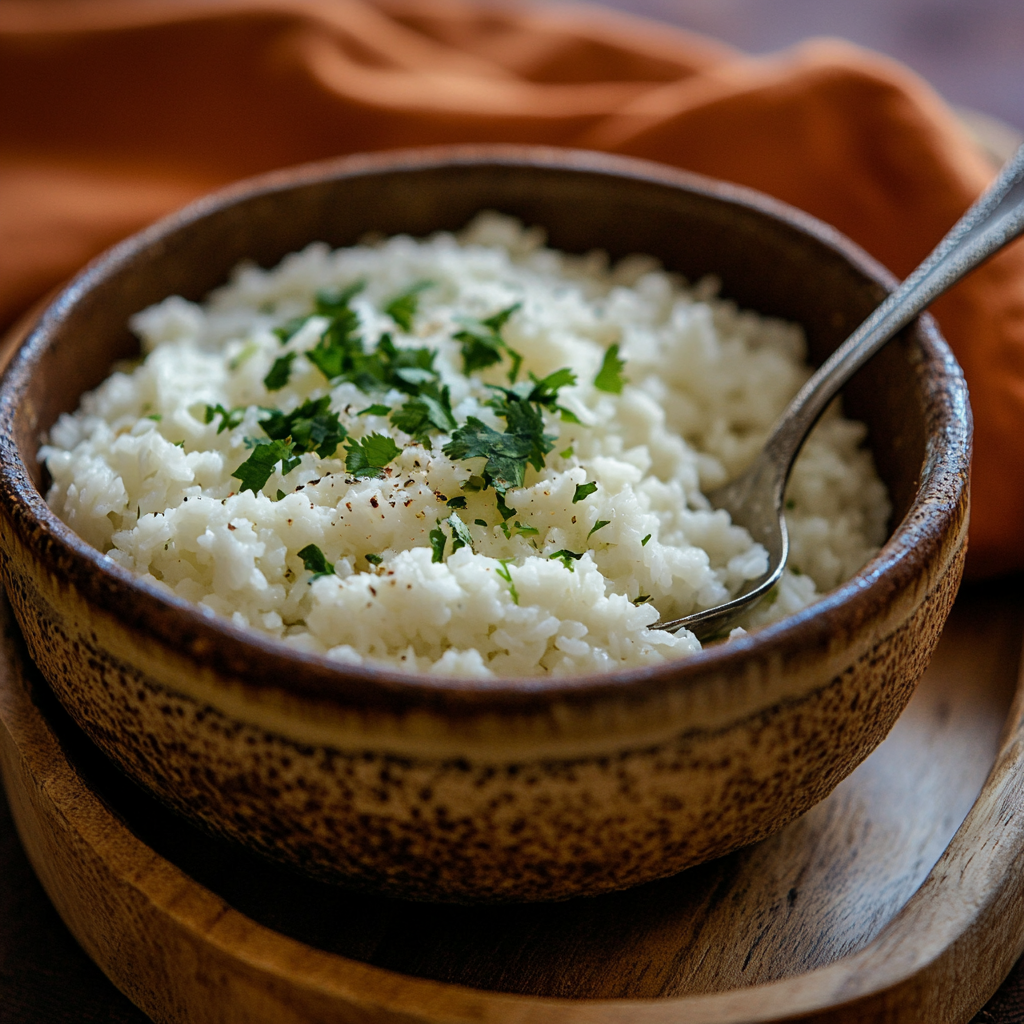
{"x":994,"y":220}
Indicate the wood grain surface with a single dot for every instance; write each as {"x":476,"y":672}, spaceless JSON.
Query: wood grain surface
{"x":817,"y":916}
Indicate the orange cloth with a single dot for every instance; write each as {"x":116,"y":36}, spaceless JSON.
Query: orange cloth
{"x":113,"y":112}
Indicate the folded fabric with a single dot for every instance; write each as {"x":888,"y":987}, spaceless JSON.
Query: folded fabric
{"x":113,"y":112}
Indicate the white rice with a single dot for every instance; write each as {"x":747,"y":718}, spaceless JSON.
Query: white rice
{"x":139,"y":473}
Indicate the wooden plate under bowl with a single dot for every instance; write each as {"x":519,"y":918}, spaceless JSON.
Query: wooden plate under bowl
{"x":868,"y":908}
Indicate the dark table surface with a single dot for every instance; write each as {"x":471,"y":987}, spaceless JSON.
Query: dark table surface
{"x":972,"y":52}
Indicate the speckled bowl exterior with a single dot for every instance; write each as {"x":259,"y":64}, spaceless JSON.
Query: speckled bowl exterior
{"x":445,"y":789}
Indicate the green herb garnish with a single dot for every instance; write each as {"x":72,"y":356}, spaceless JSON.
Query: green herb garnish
{"x":599,"y":525}
{"x":430,"y":410}
{"x":584,"y":491}
{"x":567,"y":558}
{"x":402,"y":308}
{"x":609,"y":377}
{"x":229,"y":418}
{"x":279,"y":373}
{"x":370,"y":455}
{"x":643,"y":543}
{"x":438,"y":539}
{"x":375,"y":410}
{"x":482,"y":344}
{"x":290,"y":328}
{"x":266,"y":454}
{"x":641,"y":599}
{"x":461,"y":537}
{"x":311,"y":427}
{"x":458,"y":502}
{"x":315,"y":562}
{"x":374,"y":559}
{"x":505,"y":573}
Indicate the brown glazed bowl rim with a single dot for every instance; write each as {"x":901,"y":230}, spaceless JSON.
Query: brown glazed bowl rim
{"x":262,"y":662}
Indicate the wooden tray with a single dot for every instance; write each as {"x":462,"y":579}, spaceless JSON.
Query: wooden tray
{"x":869,"y":908}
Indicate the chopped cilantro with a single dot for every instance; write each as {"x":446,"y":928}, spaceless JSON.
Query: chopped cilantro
{"x":438,"y":539}
{"x":506,"y":575}
{"x":461,"y":537}
{"x":568,"y":557}
{"x":290,"y":328}
{"x":599,"y":525}
{"x":330,"y":303}
{"x":266,"y":454}
{"x":229,"y":418}
{"x":584,"y":491}
{"x":373,"y":559}
{"x":458,"y":502}
{"x":641,"y":599}
{"x":643,"y":543}
{"x":506,"y":453}
{"x":280,"y":494}
{"x":375,"y":410}
{"x":480,"y":522}
{"x":609,"y":377}
{"x":311,"y":427}
{"x":247,"y":352}
{"x":526,"y":531}
{"x":482,"y":344}
{"x":156,"y":417}
{"x":568,"y":453}
{"x":430,"y":410}
{"x":179,"y":444}
{"x":315,"y":561}
{"x":279,"y":372}
{"x":402,"y":308}
{"x":370,"y":455}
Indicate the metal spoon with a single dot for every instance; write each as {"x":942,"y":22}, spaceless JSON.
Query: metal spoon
{"x":754,"y":500}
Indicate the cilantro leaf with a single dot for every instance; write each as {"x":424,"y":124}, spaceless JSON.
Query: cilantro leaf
{"x":506,"y":453}
{"x":461,"y":537}
{"x":599,"y":525}
{"x":609,"y":378}
{"x":315,"y":561}
{"x":482,"y":344}
{"x":567,"y":558}
{"x":505,"y":573}
{"x":229,"y":418}
{"x":402,"y":308}
{"x":430,"y":410}
{"x":290,"y":328}
{"x":459,"y":502}
{"x":311,"y":427}
{"x":257,"y":469}
{"x":438,"y":539}
{"x":375,"y":410}
{"x":331,"y":303}
{"x":370,"y":455}
{"x":643,"y":543}
{"x":374,"y":559}
{"x":584,"y":491}
{"x":527,"y":531}
{"x":279,"y":372}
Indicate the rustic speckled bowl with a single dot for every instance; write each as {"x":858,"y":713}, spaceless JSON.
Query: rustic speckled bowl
{"x":527,"y":789}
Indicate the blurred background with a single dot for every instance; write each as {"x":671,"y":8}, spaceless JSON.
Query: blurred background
{"x":972,"y":51}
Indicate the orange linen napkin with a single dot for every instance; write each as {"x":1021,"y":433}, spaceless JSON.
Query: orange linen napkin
{"x":113,"y":112}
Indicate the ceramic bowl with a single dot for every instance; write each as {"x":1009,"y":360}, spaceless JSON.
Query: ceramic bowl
{"x":524,"y":789}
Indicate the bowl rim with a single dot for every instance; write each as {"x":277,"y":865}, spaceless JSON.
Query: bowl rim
{"x":234,"y":651}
